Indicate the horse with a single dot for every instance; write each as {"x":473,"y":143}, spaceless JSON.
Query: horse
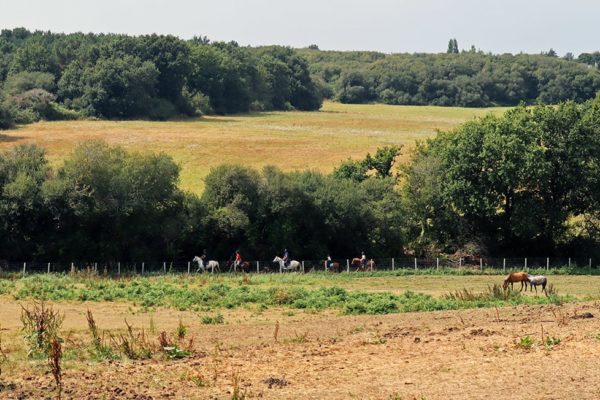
{"x":357,"y":263}
{"x":211,"y":264}
{"x":535,"y":280}
{"x":294,"y":265}
{"x":516,"y":277}
{"x":335,"y":266}
{"x":244,"y":266}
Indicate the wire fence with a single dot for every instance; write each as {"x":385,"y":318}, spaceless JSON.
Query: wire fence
{"x":466,"y":264}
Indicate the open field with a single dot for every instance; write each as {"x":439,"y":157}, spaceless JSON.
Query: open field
{"x":290,"y":140}
{"x":250,"y":350}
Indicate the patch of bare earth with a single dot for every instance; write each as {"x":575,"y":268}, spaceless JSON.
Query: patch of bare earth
{"x":473,"y":354}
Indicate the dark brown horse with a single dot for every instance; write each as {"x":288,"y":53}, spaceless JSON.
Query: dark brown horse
{"x":244,"y":266}
{"x":513,"y":277}
{"x":335,"y":266}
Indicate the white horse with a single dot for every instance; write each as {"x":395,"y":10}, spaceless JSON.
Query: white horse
{"x":535,"y":280}
{"x":211,"y":264}
{"x":294,"y":265}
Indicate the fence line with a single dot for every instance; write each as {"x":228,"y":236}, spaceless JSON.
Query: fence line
{"x":472,"y":264}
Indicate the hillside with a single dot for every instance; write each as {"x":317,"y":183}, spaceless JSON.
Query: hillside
{"x":290,"y":140}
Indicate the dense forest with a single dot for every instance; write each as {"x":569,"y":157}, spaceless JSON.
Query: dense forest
{"x":55,"y":76}
{"x":468,"y":78}
{"x":524,"y":183}
{"x":46,"y":75}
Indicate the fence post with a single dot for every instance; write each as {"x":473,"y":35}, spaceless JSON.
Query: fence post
{"x":525,"y":263}
{"x":24,"y":267}
{"x":119,"y":268}
{"x":189,"y":267}
{"x":590,"y":266}
{"x":504,"y":265}
{"x":437,"y":263}
{"x":393,"y":264}
{"x":481,"y":263}
{"x":459,"y":263}
{"x":96,"y":267}
{"x":281,"y":267}
{"x":72,"y":268}
{"x":415,"y":263}
{"x":164,"y":267}
{"x":258,"y":267}
{"x":547,"y":263}
{"x":143,"y":267}
{"x":569,"y":262}
{"x":347,"y":265}
{"x":48,"y":267}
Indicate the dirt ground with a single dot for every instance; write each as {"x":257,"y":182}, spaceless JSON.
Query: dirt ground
{"x":472,"y":354}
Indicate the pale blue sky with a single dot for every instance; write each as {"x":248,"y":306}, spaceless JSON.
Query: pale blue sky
{"x":391,"y":26}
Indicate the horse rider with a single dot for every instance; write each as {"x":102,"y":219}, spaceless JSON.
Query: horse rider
{"x":286,"y":257}
{"x":204,"y":258}
{"x":238,"y":259}
{"x":329,"y":262}
{"x":363,"y":260}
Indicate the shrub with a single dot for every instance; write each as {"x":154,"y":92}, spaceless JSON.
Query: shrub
{"x":41,"y":326}
{"x":213,"y":320}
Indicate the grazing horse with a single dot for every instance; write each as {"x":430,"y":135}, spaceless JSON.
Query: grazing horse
{"x":294,"y":265}
{"x":335,"y":266}
{"x":535,"y":280}
{"x":357,"y":263}
{"x":212,"y":265}
{"x":516,"y":277}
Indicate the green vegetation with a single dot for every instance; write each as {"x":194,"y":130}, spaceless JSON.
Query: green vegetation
{"x":468,"y":78}
{"x":200,"y":296}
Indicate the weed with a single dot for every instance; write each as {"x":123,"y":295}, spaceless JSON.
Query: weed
{"x":526,"y":342}
{"x":3,"y":357}
{"x":197,"y":379}
{"x":41,"y":325}
{"x":54,"y":361}
{"x":550,"y":342}
{"x":100,"y":350}
{"x":152,"y":328}
{"x":215,"y":320}
{"x":276,"y":331}
{"x":181,"y":330}
{"x":299,"y":338}
{"x":175,"y":352}
{"x":237,"y":392}
{"x":134,"y":346}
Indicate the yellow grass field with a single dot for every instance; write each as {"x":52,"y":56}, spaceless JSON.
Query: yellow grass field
{"x":289,"y":140}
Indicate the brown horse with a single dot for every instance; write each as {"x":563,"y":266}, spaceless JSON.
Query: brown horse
{"x":335,"y":266}
{"x":513,"y":277}
{"x":357,"y":263}
{"x":244,"y":266}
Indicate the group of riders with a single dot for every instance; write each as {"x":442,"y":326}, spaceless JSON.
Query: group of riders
{"x":236,"y":259}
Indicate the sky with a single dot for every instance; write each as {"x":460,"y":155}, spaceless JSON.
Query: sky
{"x":500,"y":26}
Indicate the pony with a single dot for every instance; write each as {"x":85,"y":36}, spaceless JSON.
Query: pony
{"x":516,"y":277}
{"x":535,"y":280}
{"x":357,"y":263}
{"x":212,"y":265}
{"x":294,"y":265}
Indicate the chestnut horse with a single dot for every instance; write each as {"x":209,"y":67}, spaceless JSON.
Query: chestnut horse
{"x":513,"y":277}
{"x":357,"y":263}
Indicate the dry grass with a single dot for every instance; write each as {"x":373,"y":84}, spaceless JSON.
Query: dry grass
{"x":292,"y":140}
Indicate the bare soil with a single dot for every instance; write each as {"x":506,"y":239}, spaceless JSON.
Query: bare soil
{"x":472,"y":354}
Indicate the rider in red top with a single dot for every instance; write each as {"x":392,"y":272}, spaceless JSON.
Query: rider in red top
{"x":238,"y":259}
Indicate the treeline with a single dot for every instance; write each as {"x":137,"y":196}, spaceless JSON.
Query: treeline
{"x":524,"y":183}
{"x":107,"y":204}
{"x":469,"y":78}
{"x":46,"y":75}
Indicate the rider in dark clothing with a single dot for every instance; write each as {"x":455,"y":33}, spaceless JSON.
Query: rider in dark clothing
{"x":329,"y":262}
{"x":286,"y":257}
{"x":363,"y":260}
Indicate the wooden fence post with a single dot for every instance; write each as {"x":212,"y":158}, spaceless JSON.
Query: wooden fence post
{"x":547,"y":263}
{"x":393,"y":264}
{"x":525,"y":263}
{"x":24,"y":268}
{"x":189,"y":267}
{"x":258,"y":267}
{"x":481,"y":263}
{"x":143,"y":268}
{"x":302,"y":266}
{"x":437,"y":263}
{"x":48,"y":267}
{"x":347,"y":265}
{"x":504,"y":265}
{"x":119,"y":268}
{"x":415,"y":263}
{"x":164,"y":267}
